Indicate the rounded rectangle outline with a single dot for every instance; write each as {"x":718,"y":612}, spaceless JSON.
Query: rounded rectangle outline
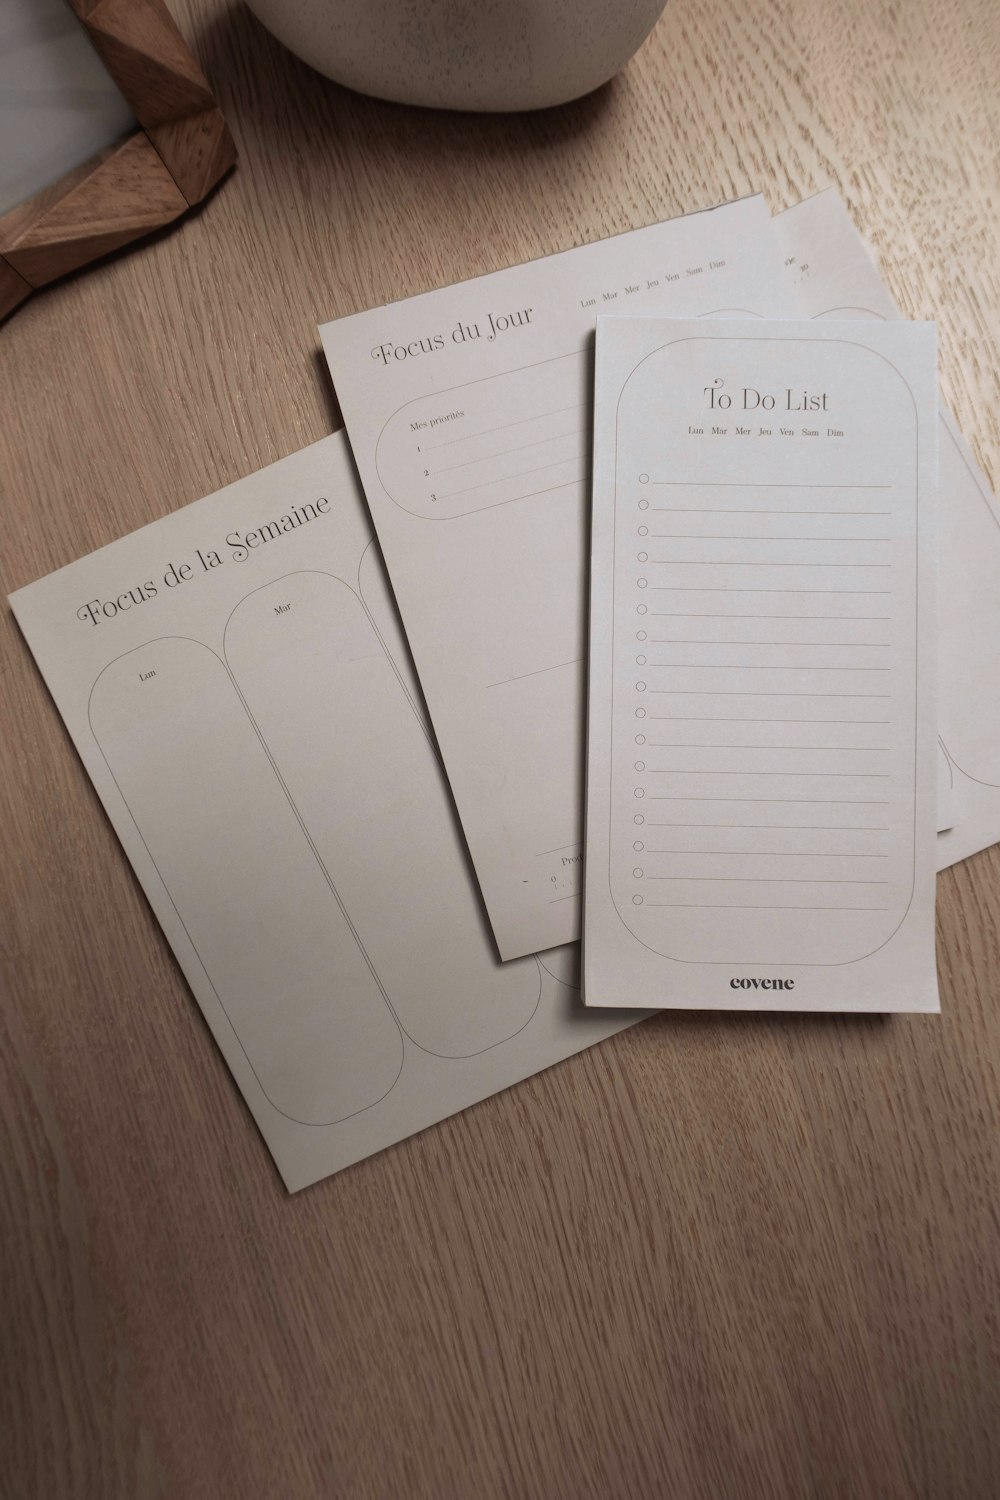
{"x":447,"y":391}
{"x":767,"y":338}
{"x":358,"y":600}
{"x":177,"y":911}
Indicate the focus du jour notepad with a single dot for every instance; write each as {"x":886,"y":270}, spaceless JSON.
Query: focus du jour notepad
{"x":469,"y":415}
{"x":761,"y":758}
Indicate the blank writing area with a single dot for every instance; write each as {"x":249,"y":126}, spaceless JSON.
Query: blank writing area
{"x":763,"y":755}
{"x":509,"y":692}
{"x":241,"y":876}
{"x":361,"y":775}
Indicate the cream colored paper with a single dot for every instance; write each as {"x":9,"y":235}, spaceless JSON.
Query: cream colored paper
{"x":235,"y":681}
{"x":833,"y":276}
{"x":761,"y":750}
{"x":469,"y":413}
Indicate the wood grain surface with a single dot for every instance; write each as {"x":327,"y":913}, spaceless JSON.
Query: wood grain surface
{"x":716,"y":1258}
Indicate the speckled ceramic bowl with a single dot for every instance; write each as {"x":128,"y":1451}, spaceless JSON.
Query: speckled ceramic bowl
{"x":464,"y":54}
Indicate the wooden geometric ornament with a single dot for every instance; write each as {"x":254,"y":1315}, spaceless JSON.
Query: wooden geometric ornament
{"x":180,"y":151}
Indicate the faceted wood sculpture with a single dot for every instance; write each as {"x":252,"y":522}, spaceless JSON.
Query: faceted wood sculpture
{"x":181,"y":150}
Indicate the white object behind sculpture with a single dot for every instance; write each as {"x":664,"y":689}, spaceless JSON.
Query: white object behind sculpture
{"x":58,"y":104}
{"x":450,"y":54}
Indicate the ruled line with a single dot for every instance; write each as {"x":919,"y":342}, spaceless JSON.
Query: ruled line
{"x":724,"y":536}
{"x":669,"y":640}
{"x":772,"y":853}
{"x":485,"y":458}
{"x":747,"y":719}
{"x":750,"y":666}
{"x":560,"y":850}
{"x":748,"y":771}
{"x":795,"y":827}
{"x":468,"y":436}
{"x":694,"y":588}
{"x":744,"y":510}
{"x":672,"y":614}
{"x":770,"y":906}
{"x":757,"y":880}
{"x":538,"y":469}
{"x":726,"y":693}
{"x":808,"y":801}
{"x":721,"y":745}
{"x":536,"y":673}
{"x":712,"y":536}
{"x":741,"y":484}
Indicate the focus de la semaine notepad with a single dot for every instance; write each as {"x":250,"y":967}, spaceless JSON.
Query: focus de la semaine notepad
{"x":761,"y":761}
{"x":237,"y":686}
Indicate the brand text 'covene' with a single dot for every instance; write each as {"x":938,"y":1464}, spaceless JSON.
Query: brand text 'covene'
{"x":762,"y":984}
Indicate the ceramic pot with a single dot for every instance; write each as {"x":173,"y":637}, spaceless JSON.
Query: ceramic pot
{"x":464,"y":54}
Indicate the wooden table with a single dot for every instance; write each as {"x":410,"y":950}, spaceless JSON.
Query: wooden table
{"x":716,"y":1257}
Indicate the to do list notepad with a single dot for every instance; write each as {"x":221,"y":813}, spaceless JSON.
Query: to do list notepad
{"x":469,"y":413}
{"x":761,"y":764}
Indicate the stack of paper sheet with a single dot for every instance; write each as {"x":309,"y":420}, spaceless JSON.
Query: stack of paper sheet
{"x":761,"y":676}
{"x":761,"y":755}
{"x":833,"y":277}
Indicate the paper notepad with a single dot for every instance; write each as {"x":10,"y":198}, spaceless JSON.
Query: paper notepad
{"x":236,"y":684}
{"x":832,"y":276}
{"x":469,"y":413}
{"x":762,"y":737}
